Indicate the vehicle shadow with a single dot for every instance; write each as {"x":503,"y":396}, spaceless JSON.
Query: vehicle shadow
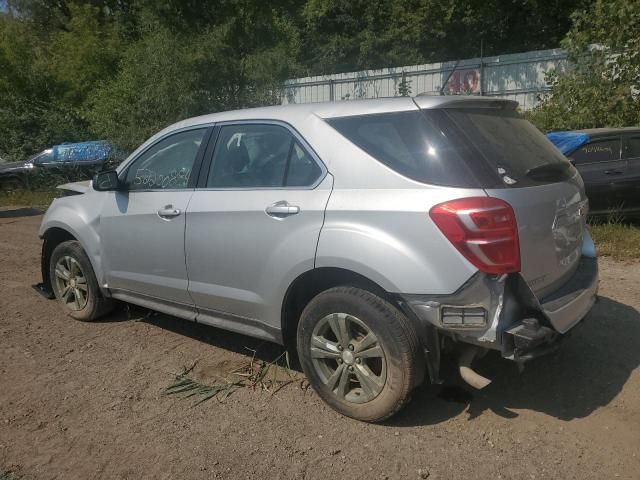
{"x":21,"y":212}
{"x":587,"y":372}
{"x":591,"y":367}
{"x":216,"y":337}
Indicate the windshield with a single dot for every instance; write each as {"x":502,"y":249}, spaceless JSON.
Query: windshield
{"x":42,"y":157}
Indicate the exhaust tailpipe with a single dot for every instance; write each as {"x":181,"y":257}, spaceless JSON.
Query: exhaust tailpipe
{"x":474,"y":379}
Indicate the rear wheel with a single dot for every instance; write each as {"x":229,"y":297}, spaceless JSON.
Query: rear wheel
{"x":360,"y":354}
{"x":74,"y":283}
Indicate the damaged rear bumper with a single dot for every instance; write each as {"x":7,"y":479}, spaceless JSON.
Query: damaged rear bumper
{"x":502,"y":313}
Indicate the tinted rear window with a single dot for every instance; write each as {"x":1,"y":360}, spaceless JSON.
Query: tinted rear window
{"x":456,"y":147}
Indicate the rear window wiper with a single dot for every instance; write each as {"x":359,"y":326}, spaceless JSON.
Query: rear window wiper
{"x":548,"y":169}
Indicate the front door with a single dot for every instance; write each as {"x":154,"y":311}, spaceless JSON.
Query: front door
{"x":254,"y":225}
{"x":142,"y":227}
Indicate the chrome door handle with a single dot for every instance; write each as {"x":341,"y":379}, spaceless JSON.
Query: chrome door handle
{"x":168,"y":211}
{"x":281,"y":210}
{"x":612,"y":172}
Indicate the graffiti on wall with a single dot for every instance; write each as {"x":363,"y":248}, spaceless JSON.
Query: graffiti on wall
{"x":464,"y":81}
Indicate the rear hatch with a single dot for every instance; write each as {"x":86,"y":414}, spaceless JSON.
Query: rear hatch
{"x":512,"y":160}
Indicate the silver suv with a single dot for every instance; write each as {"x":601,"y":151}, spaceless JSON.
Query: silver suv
{"x":367,"y":235}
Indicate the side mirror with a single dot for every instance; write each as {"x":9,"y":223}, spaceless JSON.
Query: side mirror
{"x":106,"y":181}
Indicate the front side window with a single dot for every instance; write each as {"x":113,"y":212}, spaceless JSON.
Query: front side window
{"x":167,"y":164}
{"x":597,"y":151}
{"x":260,"y":156}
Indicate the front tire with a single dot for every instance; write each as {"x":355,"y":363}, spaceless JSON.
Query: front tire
{"x":359,"y":353}
{"x":74,"y":283}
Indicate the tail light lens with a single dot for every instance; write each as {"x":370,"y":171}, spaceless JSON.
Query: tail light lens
{"x":483,"y":229}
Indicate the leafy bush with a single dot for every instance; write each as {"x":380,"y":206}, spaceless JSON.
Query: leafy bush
{"x":602,"y":87}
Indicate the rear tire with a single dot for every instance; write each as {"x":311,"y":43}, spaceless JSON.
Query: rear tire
{"x":359,"y":353}
{"x":74,"y":283}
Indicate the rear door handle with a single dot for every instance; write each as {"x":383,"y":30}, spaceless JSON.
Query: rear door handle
{"x":282,"y":210}
{"x":612,"y":172}
{"x":168,"y":211}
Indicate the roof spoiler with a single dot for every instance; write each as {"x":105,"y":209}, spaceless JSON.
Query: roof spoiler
{"x":463,"y":101}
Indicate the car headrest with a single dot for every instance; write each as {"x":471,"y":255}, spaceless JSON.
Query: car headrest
{"x":237,"y":157}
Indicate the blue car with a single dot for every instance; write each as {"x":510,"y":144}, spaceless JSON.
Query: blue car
{"x":84,"y":158}
{"x":609,"y":161}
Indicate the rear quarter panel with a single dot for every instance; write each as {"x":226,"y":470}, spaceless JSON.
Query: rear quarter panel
{"x":387,"y":236}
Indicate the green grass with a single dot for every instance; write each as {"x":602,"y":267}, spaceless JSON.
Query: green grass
{"x":617,"y":240}
{"x":28,"y":198}
{"x":9,"y":475}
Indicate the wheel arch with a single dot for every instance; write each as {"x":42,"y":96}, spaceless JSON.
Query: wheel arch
{"x":52,"y":237}
{"x":312,"y":282}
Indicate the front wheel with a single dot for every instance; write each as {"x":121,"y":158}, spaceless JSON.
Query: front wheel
{"x":360,"y":354}
{"x":74,"y":282}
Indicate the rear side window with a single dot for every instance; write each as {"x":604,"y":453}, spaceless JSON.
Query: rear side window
{"x":461,"y":147}
{"x":606,"y":150}
{"x":302,"y":169}
{"x":410,"y":143}
{"x":260,"y":156}
{"x":633,"y":147}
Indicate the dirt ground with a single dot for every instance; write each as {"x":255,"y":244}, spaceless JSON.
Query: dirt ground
{"x":86,"y":400}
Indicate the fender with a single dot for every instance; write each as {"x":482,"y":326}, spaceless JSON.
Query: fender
{"x":81,"y":220}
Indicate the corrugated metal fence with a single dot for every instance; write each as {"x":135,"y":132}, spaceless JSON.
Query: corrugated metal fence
{"x":519,"y":76}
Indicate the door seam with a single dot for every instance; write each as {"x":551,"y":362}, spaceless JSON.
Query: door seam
{"x":184,"y":251}
{"x":324,"y":217}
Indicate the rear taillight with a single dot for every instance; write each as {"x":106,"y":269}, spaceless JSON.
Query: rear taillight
{"x":483,"y":229}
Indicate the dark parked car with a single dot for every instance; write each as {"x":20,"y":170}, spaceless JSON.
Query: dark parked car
{"x":84,"y":158}
{"x":609,"y":161}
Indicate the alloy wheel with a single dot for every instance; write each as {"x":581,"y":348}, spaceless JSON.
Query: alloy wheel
{"x":71,"y":283}
{"x":348,"y":357}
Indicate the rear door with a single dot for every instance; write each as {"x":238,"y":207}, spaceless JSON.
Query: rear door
{"x":603,"y":169}
{"x":631,"y":191}
{"x":253,"y":224}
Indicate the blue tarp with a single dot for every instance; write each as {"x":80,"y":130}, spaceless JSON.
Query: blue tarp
{"x":567,"y":142}
{"x":82,"y":152}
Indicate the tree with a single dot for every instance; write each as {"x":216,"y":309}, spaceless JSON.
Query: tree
{"x":602,"y":87}
{"x":31,"y":115}
{"x":345,"y":35}
{"x":171,"y":73}
{"x":74,"y":70}
{"x":47,"y":72}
